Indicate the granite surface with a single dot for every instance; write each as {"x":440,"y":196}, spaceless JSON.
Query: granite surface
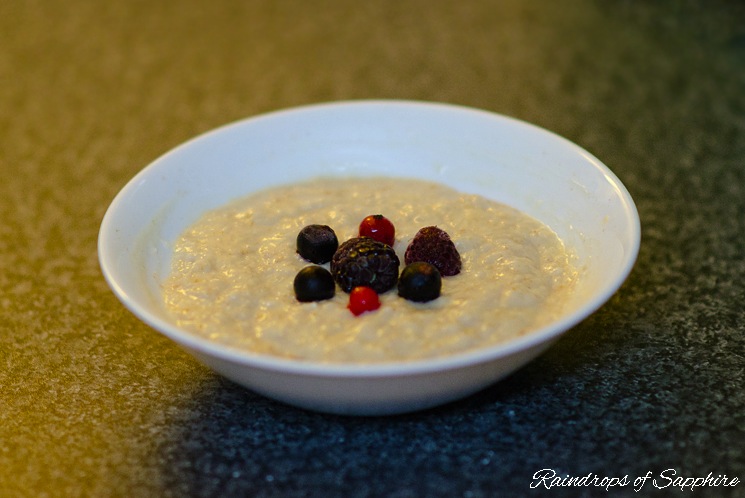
{"x":94,"y":403}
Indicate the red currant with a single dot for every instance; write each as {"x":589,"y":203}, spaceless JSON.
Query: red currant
{"x":379,"y":228}
{"x":363,"y":299}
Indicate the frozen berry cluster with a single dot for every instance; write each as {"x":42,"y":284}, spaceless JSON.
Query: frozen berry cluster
{"x":366,"y":266}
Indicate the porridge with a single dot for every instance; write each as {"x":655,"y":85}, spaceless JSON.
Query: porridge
{"x":232,"y":274}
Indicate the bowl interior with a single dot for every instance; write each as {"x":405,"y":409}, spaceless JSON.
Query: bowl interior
{"x":504,"y":159}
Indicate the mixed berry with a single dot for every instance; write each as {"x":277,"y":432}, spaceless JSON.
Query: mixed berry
{"x":314,"y":283}
{"x":363,"y":261}
{"x":378,"y":227}
{"x":433,"y":245}
{"x":420,"y":282}
{"x":367,"y":266}
{"x":363,"y":299}
{"x":317,"y":243}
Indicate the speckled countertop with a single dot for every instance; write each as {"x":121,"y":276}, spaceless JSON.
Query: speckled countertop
{"x":94,"y":403}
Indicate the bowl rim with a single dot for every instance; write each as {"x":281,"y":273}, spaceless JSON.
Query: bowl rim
{"x":534,"y":338}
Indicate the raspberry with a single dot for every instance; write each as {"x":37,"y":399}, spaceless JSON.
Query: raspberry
{"x":363,"y":299}
{"x":378,"y":227}
{"x":362,"y":261}
{"x":433,"y":245}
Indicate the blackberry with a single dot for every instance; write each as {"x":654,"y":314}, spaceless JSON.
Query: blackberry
{"x":433,"y":245}
{"x":363,"y":261}
{"x":317,"y":243}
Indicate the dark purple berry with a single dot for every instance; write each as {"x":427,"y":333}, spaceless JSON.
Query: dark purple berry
{"x":433,"y":245}
{"x":420,"y":282}
{"x":363,"y":261}
{"x":317,"y":243}
{"x":314,"y":283}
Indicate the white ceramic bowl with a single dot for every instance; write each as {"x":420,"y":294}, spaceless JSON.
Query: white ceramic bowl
{"x":501,"y":158}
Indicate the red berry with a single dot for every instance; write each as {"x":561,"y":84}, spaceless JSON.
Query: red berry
{"x":363,"y":299}
{"x":378,"y":227}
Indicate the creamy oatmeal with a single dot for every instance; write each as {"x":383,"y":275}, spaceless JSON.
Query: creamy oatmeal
{"x":232,"y":274}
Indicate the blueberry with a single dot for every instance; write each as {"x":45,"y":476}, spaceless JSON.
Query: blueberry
{"x":317,"y":243}
{"x":314,"y":283}
{"x":420,"y":282}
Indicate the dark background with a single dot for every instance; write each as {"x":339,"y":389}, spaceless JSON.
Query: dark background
{"x":94,"y":403}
